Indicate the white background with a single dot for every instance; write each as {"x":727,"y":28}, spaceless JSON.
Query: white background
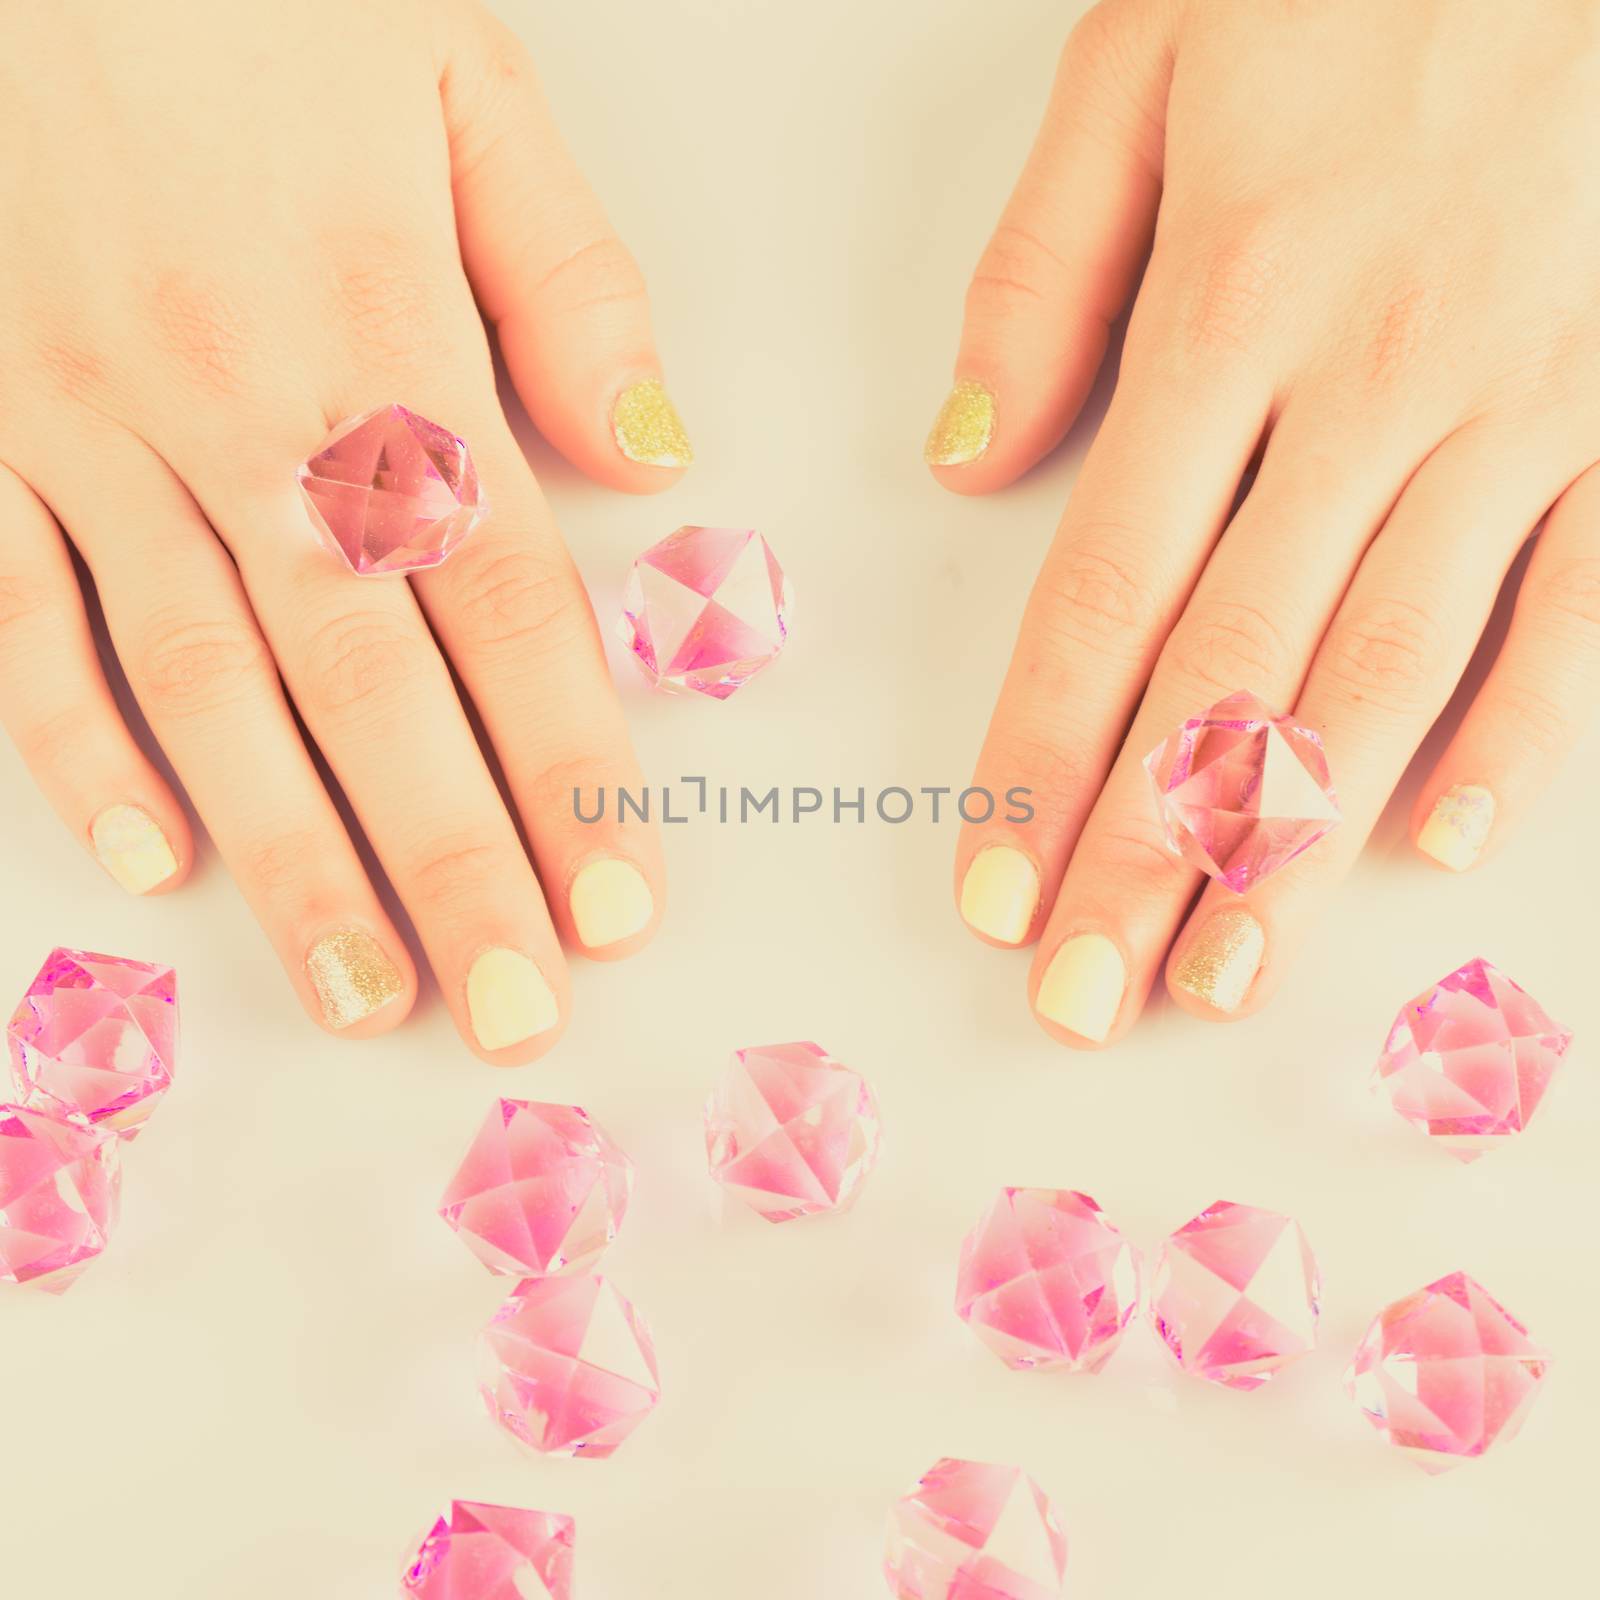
{"x":265,"y":1388}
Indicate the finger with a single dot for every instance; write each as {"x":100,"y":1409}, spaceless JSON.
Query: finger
{"x":1063,"y":261}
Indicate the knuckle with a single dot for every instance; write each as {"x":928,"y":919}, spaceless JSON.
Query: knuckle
{"x":275,"y":861}
{"x":1569,"y":592}
{"x":1403,"y":335}
{"x":387,"y":298}
{"x":1127,"y":852}
{"x":514,"y":600}
{"x":57,"y":742}
{"x":1228,"y":289}
{"x":360,"y":659}
{"x":1543,"y":723}
{"x":1015,"y":271}
{"x":601,"y":272}
{"x":1094,"y":592}
{"x":1047,"y":763}
{"x":1388,"y":653}
{"x":21,"y":602}
{"x":192,"y":665}
{"x":205,"y":332}
{"x":1231,"y":644}
{"x":449,"y":872}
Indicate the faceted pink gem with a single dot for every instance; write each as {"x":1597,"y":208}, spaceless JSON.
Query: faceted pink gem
{"x":60,"y":1189}
{"x":1236,"y":1295}
{"x":1469,"y":1060}
{"x":1045,"y":1281}
{"x":706,"y":609}
{"x":542,"y":1190}
{"x":1242,"y":791}
{"x":392,"y":491}
{"x":483,"y":1552}
{"x":1446,"y":1372}
{"x":96,"y":1035}
{"x":791,"y":1131}
{"x":569,"y":1366}
{"x":971,"y":1531}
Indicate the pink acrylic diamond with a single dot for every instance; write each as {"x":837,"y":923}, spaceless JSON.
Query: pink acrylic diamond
{"x":96,"y":1035}
{"x":1242,"y":791}
{"x":60,"y":1189}
{"x":1045,"y":1281}
{"x":484,"y":1552}
{"x":706,"y":609}
{"x":569,"y":1366}
{"x":1469,"y":1060}
{"x":542,"y":1190}
{"x":1236,"y":1295}
{"x":392,"y":491}
{"x":791,"y":1131}
{"x":971,"y":1531}
{"x":1446,"y":1373}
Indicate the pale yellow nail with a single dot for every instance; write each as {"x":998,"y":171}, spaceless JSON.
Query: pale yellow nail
{"x":508,"y":999}
{"x":1082,"y":988}
{"x":965,"y":425}
{"x":1223,"y":959}
{"x":129,"y":844}
{"x":648,"y":428}
{"x":1458,"y":826}
{"x":1000,"y":893}
{"x":610,"y":901}
{"x":352,"y":975}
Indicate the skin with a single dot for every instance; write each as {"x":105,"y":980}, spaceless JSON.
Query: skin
{"x":1369,"y":267}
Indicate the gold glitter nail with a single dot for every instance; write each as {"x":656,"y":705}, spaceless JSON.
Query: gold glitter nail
{"x":1223,"y":959}
{"x":1458,"y":826}
{"x":965,"y":424}
{"x":648,"y":428}
{"x":352,"y":976}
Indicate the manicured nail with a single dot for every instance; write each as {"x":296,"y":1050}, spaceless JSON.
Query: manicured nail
{"x":130,"y":845}
{"x":1223,"y":959}
{"x":610,"y":901}
{"x":508,"y":999}
{"x":1000,"y":893}
{"x":964,"y":426}
{"x":1458,"y":826}
{"x":1082,"y":988}
{"x":648,"y":428}
{"x":352,"y":975}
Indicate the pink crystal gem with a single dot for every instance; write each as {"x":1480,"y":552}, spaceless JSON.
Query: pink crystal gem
{"x":569,"y":1366}
{"x":1242,"y":791}
{"x":60,"y":1187}
{"x":1446,"y":1372}
{"x":1469,"y":1060}
{"x":1046,"y":1281}
{"x":971,"y":1531}
{"x":483,"y":1552}
{"x":393,"y":491}
{"x":791,"y":1131}
{"x":1236,"y":1294}
{"x":706,"y":609}
{"x":542,"y":1190}
{"x":96,"y":1035}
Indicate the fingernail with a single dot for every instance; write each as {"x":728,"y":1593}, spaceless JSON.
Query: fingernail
{"x":648,"y":428}
{"x":129,"y":844}
{"x":1458,"y":826}
{"x":1000,"y":893}
{"x":352,"y":975}
{"x":508,"y":999}
{"x":1223,"y":959}
{"x":964,"y":426}
{"x":610,"y":901}
{"x":1082,"y":988}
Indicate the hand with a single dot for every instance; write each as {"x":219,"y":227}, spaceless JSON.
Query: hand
{"x":1372,"y":235}
{"x":228,"y":228}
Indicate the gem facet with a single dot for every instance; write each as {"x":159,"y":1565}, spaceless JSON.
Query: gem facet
{"x":392,"y":491}
{"x":706,"y":609}
{"x":1242,"y":791}
{"x":60,"y":1188}
{"x":1469,"y":1060}
{"x":1235,"y":1295}
{"x":569,"y":1366}
{"x":96,"y":1035}
{"x":791,"y":1131}
{"x":971,"y":1531}
{"x":483,"y":1552}
{"x":1045,"y":1281}
{"x":542,"y":1190}
{"x":1446,"y":1372}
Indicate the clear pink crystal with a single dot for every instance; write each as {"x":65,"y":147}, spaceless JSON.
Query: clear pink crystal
{"x":60,"y":1188}
{"x":791,"y":1131}
{"x":706,"y":609}
{"x":1046,"y":1281}
{"x":96,"y":1035}
{"x":1235,"y":1295}
{"x":393,"y":491}
{"x":971,"y":1531}
{"x":543,"y":1189}
{"x":482,"y":1552}
{"x":569,"y":1366}
{"x":1469,"y":1060}
{"x":1242,"y":791}
{"x":1446,"y":1373}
